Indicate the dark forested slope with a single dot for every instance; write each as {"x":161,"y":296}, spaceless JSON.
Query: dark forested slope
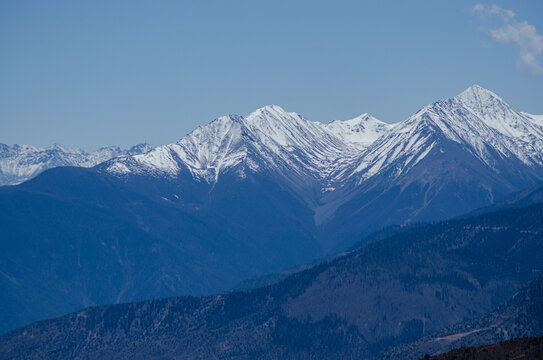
{"x":358,"y":305}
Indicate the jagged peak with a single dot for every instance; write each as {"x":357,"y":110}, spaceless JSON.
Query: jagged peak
{"x":273,"y":112}
{"x":477,"y":94}
{"x":361,"y":130}
{"x":223,"y":119}
{"x":271,"y":107}
{"x":477,"y":88}
{"x":267,"y":122}
{"x":141,"y":148}
{"x":110,"y":147}
{"x":58,"y":146}
{"x":360,"y":119}
{"x":479,"y":119}
{"x":483,"y":103}
{"x":218,"y":124}
{"x":274,"y":136}
{"x":212,"y":134}
{"x":363,"y":117}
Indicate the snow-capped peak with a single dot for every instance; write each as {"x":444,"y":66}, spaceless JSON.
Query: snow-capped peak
{"x":362,"y":130}
{"x":477,"y":94}
{"x":283,"y":142}
{"x":477,"y":119}
{"x":275,"y":110}
{"x":269,"y":137}
{"x":272,"y":124}
{"x":496,"y":113}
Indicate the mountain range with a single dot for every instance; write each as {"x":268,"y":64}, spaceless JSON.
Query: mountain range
{"x":19,"y":163}
{"x":359,"y":175}
{"x":249,"y":195}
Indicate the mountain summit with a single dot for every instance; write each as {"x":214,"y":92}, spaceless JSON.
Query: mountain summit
{"x":449,"y":157}
{"x":477,"y":119}
{"x":362,"y":130}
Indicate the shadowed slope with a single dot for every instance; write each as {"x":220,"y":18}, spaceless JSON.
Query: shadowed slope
{"x":390,"y":292}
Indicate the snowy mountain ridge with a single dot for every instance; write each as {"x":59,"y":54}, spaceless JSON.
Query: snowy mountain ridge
{"x":477,"y":119}
{"x":19,"y":163}
{"x":362,"y":130}
{"x":271,"y":138}
{"x":268,"y":138}
{"x":304,"y":152}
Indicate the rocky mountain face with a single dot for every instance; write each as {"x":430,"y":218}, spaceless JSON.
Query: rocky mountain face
{"x":248,"y":195}
{"x":354,"y":306}
{"x":19,"y":163}
{"x":520,"y":317}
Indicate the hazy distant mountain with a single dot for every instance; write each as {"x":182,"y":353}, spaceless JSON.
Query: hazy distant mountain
{"x":19,"y":163}
{"x":355,"y":306}
{"x":249,"y":195}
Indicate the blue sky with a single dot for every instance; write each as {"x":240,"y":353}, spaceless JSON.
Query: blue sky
{"x":95,"y":73}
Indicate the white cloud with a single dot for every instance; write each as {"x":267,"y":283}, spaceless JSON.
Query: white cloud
{"x":510,"y":30}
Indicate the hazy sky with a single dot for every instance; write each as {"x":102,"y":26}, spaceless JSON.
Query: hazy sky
{"x":94,"y":73}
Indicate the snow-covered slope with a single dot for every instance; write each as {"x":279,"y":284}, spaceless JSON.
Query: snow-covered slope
{"x":19,"y":163}
{"x":323,"y":157}
{"x":448,"y":158}
{"x":331,"y":162}
{"x":269,"y":139}
{"x":538,"y":119}
{"x":477,"y":119}
{"x":361,"y":131}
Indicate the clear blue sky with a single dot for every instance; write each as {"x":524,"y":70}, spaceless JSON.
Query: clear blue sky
{"x":93,"y":73}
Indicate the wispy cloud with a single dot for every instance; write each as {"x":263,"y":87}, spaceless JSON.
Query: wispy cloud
{"x":507,"y":29}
